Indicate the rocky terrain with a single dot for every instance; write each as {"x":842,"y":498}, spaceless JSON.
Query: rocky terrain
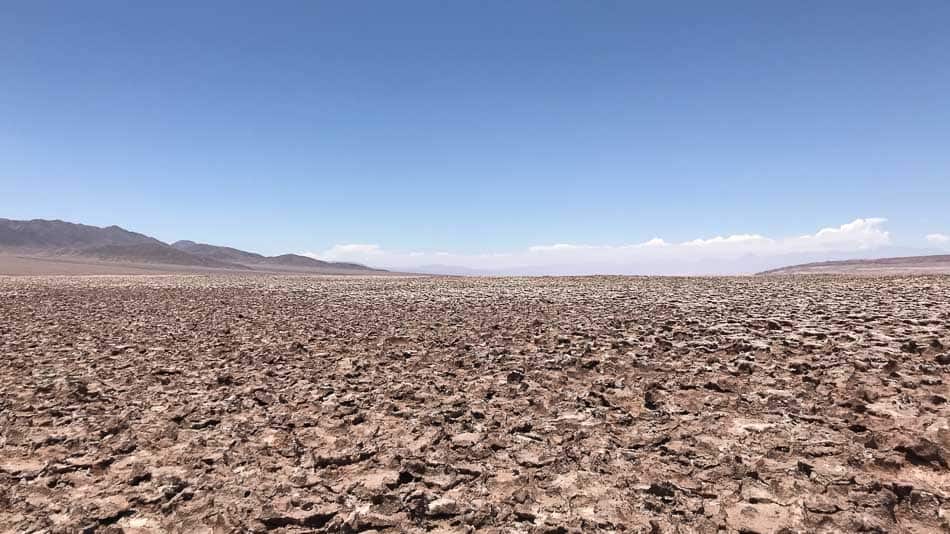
{"x":252,"y":403}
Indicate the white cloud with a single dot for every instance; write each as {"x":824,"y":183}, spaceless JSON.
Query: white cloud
{"x":733,"y":239}
{"x":655,"y":242}
{"x":347,"y":252}
{"x":733,"y":253}
{"x":566,"y":247}
{"x":865,"y":233}
{"x":938,"y":239}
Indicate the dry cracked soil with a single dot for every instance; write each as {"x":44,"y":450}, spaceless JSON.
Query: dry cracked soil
{"x":602,"y":404}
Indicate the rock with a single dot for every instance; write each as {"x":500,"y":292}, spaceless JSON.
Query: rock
{"x":821,"y":505}
{"x":443,"y":507}
{"x":380,"y":481}
{"x":314,"y":518}
{"x":515,"y":377}
{"x":466,"y":439}
{"x":922,"y":451}
{"x":533,"y":459}
{"x":359,"y":521}
{"x":662,"y":489}
{"x":763,"y":518}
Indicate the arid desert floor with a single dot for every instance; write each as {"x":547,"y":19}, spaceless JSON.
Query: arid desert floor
{"x":214,"y":403}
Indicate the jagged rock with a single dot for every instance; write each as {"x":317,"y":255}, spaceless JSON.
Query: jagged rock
{"x":443,"y":507}
{"x":313,"y":518}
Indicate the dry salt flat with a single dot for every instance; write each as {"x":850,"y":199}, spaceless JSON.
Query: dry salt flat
{"x":236,"y":403}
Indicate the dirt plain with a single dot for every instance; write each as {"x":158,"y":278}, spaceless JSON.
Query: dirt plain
{"x":18,"y":265}
{"x":197,"y":403}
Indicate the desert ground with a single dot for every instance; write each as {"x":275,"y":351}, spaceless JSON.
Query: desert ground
{"x":16,"y":264}
{"x":21,"y":265}
{"x":254,"y":403}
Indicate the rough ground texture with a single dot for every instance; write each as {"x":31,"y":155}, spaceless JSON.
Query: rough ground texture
{"x":223,"y":404}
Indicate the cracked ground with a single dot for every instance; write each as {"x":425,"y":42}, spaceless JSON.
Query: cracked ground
{"x":611,"y":404}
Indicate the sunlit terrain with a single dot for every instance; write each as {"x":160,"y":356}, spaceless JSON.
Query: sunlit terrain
{"x":252,"y":403}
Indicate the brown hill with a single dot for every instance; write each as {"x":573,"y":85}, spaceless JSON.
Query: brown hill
{"x":291,"y":262}
{"x":935,"y":264}
{"x":155,"y":253}
{"x":57,"y":240}
{"x":226,"y":254}
{"x":43,"y":235}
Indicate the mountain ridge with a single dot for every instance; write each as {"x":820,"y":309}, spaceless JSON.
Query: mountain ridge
{"x":242,"y":257}
{"x":52,"y":238}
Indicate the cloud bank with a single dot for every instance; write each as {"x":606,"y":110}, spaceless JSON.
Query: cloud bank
{"x":740,"y":253}
{"x":347,"y":252}
{"x":938,"y":239}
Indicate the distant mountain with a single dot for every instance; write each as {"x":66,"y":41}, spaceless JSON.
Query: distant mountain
{"x":934,"y":264}
{"x":75,"y":242}
{"x":154,"y":253}
{"x":293,"y":262}
{"x":40,"y":234}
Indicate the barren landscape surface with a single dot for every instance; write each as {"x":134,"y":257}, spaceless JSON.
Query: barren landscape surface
{"x":18,"y":265}
{"x":199,"y":403}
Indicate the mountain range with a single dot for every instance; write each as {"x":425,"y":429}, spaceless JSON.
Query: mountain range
{"x":55,"y":239}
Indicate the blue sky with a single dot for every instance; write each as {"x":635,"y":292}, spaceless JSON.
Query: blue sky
{"x":476,"y":128}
